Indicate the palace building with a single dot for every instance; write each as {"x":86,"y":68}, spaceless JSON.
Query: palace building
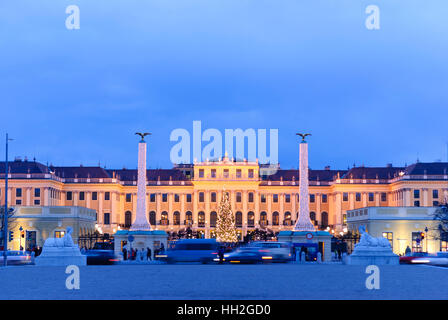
{"x":262,"y":196}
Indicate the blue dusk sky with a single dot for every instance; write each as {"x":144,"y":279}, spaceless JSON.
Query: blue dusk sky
{"x":368,"y":97}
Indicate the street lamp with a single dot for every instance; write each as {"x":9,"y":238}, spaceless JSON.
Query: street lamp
{"x":5,"y":213}
{"x":426,"y":235}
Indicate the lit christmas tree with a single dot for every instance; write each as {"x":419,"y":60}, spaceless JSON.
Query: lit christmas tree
{"x":225,"y":226}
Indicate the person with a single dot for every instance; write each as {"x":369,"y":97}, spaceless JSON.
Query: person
{"x":125,"y":254}
{"x":162,"y":249}
{"x":135,"y":254}
{"x":408,"y":251}
{"x":148,"y":254}
{"x":221,"y":255}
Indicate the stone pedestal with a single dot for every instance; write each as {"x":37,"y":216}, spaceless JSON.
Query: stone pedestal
{"x":304,"y":237}
{"x":141,"y":240}
{"x":61,"y":256}
{"x":373,"y":255}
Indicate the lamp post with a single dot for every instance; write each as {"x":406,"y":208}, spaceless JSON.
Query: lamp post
{"x":426,"y":236}
{"x":5,"y":213}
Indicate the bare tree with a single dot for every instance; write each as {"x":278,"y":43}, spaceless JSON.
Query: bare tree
{"x":440,"y":231}
{"x":12,"y":224}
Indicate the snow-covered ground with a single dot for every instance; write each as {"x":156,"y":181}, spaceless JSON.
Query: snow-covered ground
{"x":276,"y":281}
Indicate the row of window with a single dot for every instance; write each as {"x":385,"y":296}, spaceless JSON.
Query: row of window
{"x":287,"y":221}
{"x":435,"y":194}
{"x":226,"y":173}
{"x":19,"y":192}
{"x":371,"y":197}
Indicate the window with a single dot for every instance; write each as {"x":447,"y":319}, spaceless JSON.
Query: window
{"x":213,"y":173}
{"x":226,"y":173}
{"x":176,"y":197}
{"x":435,"y":194}
{"x":164,"y":197}
{"x":435,"y":203}
{"x":251,"y":197}
{"x":383,"y":196}
{"x":18,"y":192}
{"x":263,"y":197}
{"x":213,"y":197}
{"x":238,"y":173}
{"x":251,"y":173}
{"x":287,"y":220}
{"x":275,"y":219}
{"x":107,"y":218}
{"x":287,"y":197}
{"x":152,"y":218}
{"x":250,"y":219}
{"x":127,"y":219}
{"x":416,"y":194}
{"x":59,"y":234}
{"x":312,"y":198}
{"x":275,"y":197}
{"x":37,"y":202}
{"x":389,"y":236}
{"x":201,"y":196}
{"x":94,"y":195}
{"x":37,"y":192}
{"x":164,"y":219}
{"x":371,"y":196}
{"x":176,"y":218}
{"x":18,"y":202}
{"x":213,"y":218}
{"x":324,"y":198}
{"x":417,"y":242}
{"x":188,"y":218}
{"x":106,"y":196}
{"x":69,"y":196}
{"x":263,"y":219}
{"x":345,"y":196}
{"x":238,"y":197}
{"x":188,"y":197}
{"x":152,"y":197}
{"x":358,"y":196}
{"x":416,"y":203}
{"x":201,"y":173}
{"x":128,"y":197}
{"x":81,"y":196}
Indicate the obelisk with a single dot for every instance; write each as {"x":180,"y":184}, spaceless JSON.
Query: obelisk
{"x":141,"y":222}
{"x":303,"y":221}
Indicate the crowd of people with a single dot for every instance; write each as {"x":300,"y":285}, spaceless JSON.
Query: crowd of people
{"x":142,"y":254}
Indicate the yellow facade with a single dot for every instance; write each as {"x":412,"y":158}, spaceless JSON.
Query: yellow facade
{"x":260,"y":201}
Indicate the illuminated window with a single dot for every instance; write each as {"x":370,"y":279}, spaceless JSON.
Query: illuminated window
{"x":389,"y":236}
{"x":59,"y":234}
{"x":417,"y":242}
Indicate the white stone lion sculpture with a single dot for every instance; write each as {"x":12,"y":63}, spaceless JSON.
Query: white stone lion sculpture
{"x":66,"y":241}
{"x":369,"y":241}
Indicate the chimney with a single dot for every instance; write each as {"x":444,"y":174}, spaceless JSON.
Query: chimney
{"x":389,"y":165}
{"x":327,"y":167}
